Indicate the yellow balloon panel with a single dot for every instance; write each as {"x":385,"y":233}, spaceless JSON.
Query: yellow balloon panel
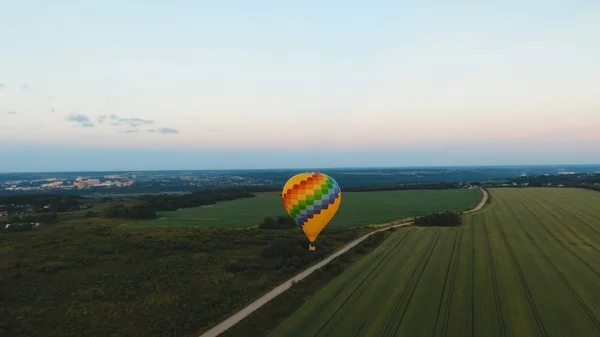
{"x":311,"y":199}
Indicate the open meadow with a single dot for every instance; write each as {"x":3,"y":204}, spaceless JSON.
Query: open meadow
{"x":526,"y":265}
{"x":356,"y":209}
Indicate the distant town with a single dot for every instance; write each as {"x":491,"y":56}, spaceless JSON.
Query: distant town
{"x":53,"y":183}
{"x":114,"y":182}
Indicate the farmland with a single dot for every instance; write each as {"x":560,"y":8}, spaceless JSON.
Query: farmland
{"x":527,"y":265}
{"x":357,"y":209}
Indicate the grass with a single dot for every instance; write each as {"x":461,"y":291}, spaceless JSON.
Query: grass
{"x":356,"y":209}
{"x":526,"y":265}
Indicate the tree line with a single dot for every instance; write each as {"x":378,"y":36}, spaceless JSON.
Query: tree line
{"x":401,"y":187}
{"x":152,"y":203}
{"x":173,"y":202}
{"x":24,"y":222}
{"x":55,"y":203}
{"x":120,"y":211}
{"x":571,"y":180}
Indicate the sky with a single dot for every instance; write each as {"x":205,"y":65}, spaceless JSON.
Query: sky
{"x":137,"y":85}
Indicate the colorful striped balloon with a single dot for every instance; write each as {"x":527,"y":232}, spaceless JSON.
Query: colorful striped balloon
{"x":311,"y":199}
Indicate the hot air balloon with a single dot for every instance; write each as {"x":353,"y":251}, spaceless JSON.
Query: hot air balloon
{"x":311,"y":199}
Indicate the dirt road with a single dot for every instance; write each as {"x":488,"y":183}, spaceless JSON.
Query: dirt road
{"x":231,"y":321}
{"x":482,"y":203}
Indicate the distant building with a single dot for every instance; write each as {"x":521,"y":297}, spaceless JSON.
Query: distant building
{"x":81,"y":184}
{"x":93,"y":182}
{"x":53,"y":184}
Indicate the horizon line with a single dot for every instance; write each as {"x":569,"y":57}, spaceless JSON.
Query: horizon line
{"x":313,"y":168}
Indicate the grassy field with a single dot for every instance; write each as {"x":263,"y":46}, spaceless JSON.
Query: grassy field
{"x":357,"y":209}
{"x":527,"y":265}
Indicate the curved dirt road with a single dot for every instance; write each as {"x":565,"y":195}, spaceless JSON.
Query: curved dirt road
{"x":482,"y":203}
{"x":238,"y":316}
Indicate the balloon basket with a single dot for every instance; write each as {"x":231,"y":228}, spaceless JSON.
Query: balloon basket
{"x":312,"y":248}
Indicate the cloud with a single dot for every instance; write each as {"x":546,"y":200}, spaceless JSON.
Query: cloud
{"x":52,"y":110}
{"x":118,"y":121}
{"x":25,"y":86}
{"x":132,"y":122}
{"x":82,"y":120}
{"x":2,"y":86}
{"x":11,"y":112}
{"x":164,"y":130}
{"x":78,"y":118}
{"x":136,"y":121}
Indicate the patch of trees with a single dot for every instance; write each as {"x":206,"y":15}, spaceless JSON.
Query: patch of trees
{"x":289,"y":254}
{"x":26,"y":222}
{"x":46,"y":218}
{"x":17,"y":228}
{"x":445,"y":219}
{"x":591,"y":187}
{"x":170,"y":202}
{"x":153,"y":203}
{"x":91,"y":214}
{"x":280,"y":222}
{"x":571,"y":180}
{"x":135,"y":212}
{"x":55,"y":203}
{"x":400,"y":187}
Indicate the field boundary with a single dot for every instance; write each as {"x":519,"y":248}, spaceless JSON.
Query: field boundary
{"x":246,"y":311}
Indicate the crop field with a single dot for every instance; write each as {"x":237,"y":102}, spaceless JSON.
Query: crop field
{"x":526,"y":265}
{"x":356,"y":209}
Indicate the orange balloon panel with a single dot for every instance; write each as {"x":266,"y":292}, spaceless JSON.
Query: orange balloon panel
{"x":311,"y":199}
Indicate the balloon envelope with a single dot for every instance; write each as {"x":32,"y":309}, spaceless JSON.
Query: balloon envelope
{"x":311,"y":199}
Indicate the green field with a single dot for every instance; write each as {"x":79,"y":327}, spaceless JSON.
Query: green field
{"x":527,"y":265}
{"x":356,"y":209}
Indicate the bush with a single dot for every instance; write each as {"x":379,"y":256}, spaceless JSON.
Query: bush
{"x":141,"y":211}
{"x":90,"y":214}
{"x":446,"y":219}
{"x":280,"y":222}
